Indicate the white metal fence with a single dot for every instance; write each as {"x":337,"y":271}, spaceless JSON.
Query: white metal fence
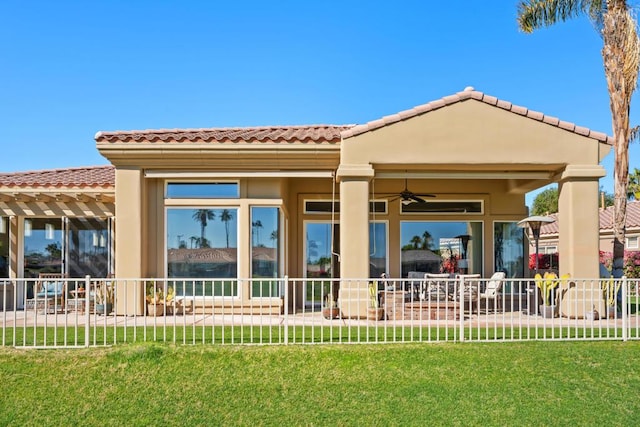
{"x":97,"y":312}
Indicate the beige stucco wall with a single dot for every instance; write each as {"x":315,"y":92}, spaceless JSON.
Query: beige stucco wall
{"x":471,"y":134}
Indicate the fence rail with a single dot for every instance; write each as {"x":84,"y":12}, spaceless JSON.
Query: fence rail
{"x":60,"y":312}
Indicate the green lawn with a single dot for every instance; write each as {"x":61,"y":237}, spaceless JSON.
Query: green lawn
{"x":532,"y":383}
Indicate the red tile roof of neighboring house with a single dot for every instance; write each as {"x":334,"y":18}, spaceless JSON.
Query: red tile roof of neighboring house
{"x":288,"y":134}
{"x":92,"y":176}
{"x":467,"y":94}
{"x":606,"y":219}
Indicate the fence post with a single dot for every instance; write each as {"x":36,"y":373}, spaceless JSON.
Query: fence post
{"x":87,"y":298}
{"x":460,"y":295}
{"x":286,"y":309}
{"x":624,"y":308}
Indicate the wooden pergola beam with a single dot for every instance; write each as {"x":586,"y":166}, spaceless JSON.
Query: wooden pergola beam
{"x":24,"y":197}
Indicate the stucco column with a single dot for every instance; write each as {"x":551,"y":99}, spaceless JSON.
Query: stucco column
{"x":579,"y":229}
{"x":129,"y":239}
{"x":353,"y":296}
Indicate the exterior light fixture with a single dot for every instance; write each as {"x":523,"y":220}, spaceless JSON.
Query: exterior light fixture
{"x":28,"y":228}
{"x":464,"y":241}
{"x":3,"y":225}
{"x":534,"y":223}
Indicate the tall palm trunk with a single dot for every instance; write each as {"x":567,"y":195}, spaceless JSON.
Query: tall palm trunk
{"x":616,"y":37}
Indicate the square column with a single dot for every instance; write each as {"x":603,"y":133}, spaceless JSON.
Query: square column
{"x":353,"y":296}
{"x":579,"y":232}
{"x":129,"y":239}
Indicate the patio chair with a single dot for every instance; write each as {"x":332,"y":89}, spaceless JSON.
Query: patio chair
{"x":435,"y":287}
{"x":493,"y":291}
{"x":49,"y":292}
{"x":469,"y":291}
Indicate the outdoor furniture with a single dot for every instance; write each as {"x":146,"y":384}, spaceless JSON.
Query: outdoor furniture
{"x":436,"y":287}
{"x":49,"y":292}
{"x":493,"y":291}
{"x":77,"y":300}
{"x":468,"y":291}
{"x":415,"y":284}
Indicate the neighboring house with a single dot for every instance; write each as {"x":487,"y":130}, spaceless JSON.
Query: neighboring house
{"x":549,"y":232}
{"x":327,"y":200}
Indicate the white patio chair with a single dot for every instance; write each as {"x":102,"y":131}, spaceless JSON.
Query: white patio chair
{"x":493,"y":291}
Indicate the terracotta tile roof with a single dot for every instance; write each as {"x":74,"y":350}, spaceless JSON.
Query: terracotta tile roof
{"x":92,"y":176}
{"x":606,"y":219}
{"x":328,"y":133}
{"x":467,"y":94}
{"x":288,"y":134}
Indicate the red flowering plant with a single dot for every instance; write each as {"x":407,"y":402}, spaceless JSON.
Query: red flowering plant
{"x":631,"y":266}
{"x":450,"y":265}
{"x":545,"y":261}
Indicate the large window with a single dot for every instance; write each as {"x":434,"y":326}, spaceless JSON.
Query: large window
{"x":377,"y":248}
{"x":441,"y":247}
{"x":508,"y":244}
{"x":43,"y":246}
{"x":265,"y":251}
{"x":89,"y":247}
{"x":322,"y":261}
{"x":203,"y":243}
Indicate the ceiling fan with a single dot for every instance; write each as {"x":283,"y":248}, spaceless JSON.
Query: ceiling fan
{"x":406,"y":196}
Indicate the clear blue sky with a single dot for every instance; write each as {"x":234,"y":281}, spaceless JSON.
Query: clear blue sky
{"x":72,"y":68}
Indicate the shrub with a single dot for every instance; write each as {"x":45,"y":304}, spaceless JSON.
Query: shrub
{"x":545,"y":261}
{"x":632,"y":264}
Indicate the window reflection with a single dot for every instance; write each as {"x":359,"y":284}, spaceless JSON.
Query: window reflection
{"x":42,"y":246}
{"x":202,"y":243}
{"x":88,"y":247}
{"x":509,"y":248}
{"x":441,"y":247}
{"x":265,"y":250}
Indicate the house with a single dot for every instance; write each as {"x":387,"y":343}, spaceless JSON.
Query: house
{"x":549,"y":232}
{"x":327,"y":200}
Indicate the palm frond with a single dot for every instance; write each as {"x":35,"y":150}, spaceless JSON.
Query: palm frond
{"x":535,"y":14}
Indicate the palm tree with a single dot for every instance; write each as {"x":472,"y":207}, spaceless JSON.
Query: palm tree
{"x":426,"y":240}
{"x":225,"y":217}
{"x":274,"y":236}
{"x":621,"y":55}
{"x":416,"y":241}
{"x":193,"y":239}
{"x":257,"y":225}
{"x":202,"y":216}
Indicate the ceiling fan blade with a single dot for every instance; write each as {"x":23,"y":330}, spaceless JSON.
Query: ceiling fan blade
{"x":417,"y":198}
{"x":424,"y":195}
